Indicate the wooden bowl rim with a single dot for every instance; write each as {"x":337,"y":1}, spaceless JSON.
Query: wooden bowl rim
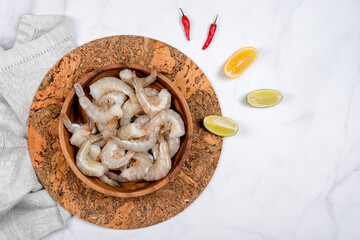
{"x":162,"y":182}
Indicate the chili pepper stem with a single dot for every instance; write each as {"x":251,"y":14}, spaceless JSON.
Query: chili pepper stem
{"x":215,"y":18}
{"x":182,"y":12}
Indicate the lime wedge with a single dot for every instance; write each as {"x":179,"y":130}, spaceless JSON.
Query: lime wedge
{"x":221,"y":126}
{"x":263,"y":98}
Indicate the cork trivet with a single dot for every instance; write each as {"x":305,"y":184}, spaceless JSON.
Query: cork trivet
{"x":56,"y":175}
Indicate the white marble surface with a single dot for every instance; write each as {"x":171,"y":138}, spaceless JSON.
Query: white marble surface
{"x":292,"y":171}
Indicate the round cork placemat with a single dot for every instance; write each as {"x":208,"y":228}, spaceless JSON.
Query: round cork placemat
{"x":90,"y":205}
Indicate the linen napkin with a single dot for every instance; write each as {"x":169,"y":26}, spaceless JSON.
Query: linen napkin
{"x":26,"y":210}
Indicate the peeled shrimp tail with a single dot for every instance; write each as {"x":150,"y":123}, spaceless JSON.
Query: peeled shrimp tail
{"x":71,"y":127}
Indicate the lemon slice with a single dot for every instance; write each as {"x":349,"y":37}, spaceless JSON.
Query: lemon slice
{"x":263,"y":98}
{"x":221,"y":126}
{"x":240,"y":61}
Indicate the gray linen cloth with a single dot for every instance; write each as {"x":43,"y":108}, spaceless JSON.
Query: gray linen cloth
{"x":26,"y":210}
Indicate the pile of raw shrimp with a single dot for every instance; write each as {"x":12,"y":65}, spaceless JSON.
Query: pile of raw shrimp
{"x":132,"y":133}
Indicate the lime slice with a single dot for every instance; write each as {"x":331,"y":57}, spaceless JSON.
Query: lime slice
{"x":221,"y":126}
{"x":263,"y":98}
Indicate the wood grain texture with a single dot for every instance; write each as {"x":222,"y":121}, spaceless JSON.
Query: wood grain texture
{"x":56,"y":175}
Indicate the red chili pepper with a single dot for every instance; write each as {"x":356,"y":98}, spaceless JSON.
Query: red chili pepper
{"x":211,"y":34}
{"x":186,"y":23}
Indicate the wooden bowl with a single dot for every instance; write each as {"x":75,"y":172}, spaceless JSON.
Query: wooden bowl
{"x":72,"y":108}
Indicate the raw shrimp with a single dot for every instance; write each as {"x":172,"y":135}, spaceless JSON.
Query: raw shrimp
{"x":138,"y":169}
{"x":79,"y":136}
{"x":108,"y":129}
{"x":94,"y":152}
{"x":100,"y":143}
{"x":151,"y":92}
{"x":162,"y":164}
{"x":71,"y":127}
{"x":110,"y":99}
{"x":79,"y":131}
{"x":116,"y":177}
{"x":85,"y":164}
{"x":174,"y":144}
{"x":96,"y":113}
{"x":114,"y":157}
{"x":135,"y":129}
{"x":142,"y":144}
{"x":109,"y":84}
{"x":105,"y":179}
{"x":154,"y":104}
{"x":127,"y":76}
{"x":155,"y":151}
{"x":130,"y":109}
{"x":170,"y":119}
{"x":142,"y":119}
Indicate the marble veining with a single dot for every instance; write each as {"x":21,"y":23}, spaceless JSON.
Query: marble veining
{"x":292,"y":172}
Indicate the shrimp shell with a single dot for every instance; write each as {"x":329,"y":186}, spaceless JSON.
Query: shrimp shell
{"x":87,"y":166}
{"x":138,"y":169}
{"x":96,"y":113}
{"x":109,"y":84}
